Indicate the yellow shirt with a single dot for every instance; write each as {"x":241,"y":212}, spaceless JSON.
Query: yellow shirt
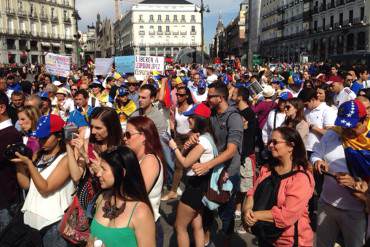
{"x":125,"y":111}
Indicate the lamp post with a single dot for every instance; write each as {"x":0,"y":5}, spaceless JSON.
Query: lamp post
{"x":77,"y":17}
{"x":203,"y":9}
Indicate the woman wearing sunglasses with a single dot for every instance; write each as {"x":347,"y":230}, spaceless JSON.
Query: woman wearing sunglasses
{"x":294,"y":111}
{"x":289,"y":214}
{"x":180,"y":125}
{"x":189,"y":210}
{"x":142,"y":137}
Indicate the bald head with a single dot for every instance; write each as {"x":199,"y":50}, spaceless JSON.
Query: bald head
{"x":366,"y":102}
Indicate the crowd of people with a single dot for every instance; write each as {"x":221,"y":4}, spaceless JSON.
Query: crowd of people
{"x":281,"y":152}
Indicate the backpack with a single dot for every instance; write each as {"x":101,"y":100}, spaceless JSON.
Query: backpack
{"x":265,"y":197}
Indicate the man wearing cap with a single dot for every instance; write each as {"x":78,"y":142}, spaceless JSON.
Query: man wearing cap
{"x":341,"y":93}
{"x":339,"y":211}
{"x":45,"y":103}
{"x":124,"y":106}
{"x":200,"y":94}
{"x":12,"y":85}
{"x":9,"y":189}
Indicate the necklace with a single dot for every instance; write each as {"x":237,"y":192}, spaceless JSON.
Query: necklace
{"x":111,"y":211}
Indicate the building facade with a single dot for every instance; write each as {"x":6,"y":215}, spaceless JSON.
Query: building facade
{"x":254,"y":12}
{"x":325,"y":30}
{"x":30,"y":28}
{"x":104,"y":38}
{"x":88,"y":42}
{"x":159,"y":28}
{"x":219,"y":46}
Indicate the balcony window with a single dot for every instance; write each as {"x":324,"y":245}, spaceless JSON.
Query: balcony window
{"x":140,"y":17}
{"x":159,"y":18}
{"x":341,"y":19}
{"x":175,"y":18}
{"x":167,"y":29}
{"x":193,"y":29}
{"x":362,"y":13}
{"x":350,"y":40}
{"x":183,"y":18}
{"x":331,"y":21}
{"x":167,"y":18}
{"x":160,"y":29}
{"x":350,"y":16}
{"x":151,"y":17}
{"x":361,"y":41}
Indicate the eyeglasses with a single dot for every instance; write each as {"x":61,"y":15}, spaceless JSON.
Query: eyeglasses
{"x":287,"y":107}
{"x":128,"y":135}
{"x":275,"y":142}
{"x":74,"y":89}
{"x":209,"y":96}
{"x":181,"y":94}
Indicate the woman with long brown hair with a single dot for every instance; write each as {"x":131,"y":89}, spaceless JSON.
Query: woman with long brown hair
{"x":294,"y":110}
{"x":142,"y":137}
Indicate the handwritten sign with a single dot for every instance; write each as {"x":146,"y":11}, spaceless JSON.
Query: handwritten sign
{"x":146,"y":64}
{"x":124,"y":64}
{"x":103,"y":66}
{"x":57,"y":64}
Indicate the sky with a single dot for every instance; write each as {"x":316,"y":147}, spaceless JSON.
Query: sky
{"x":228,"y":9}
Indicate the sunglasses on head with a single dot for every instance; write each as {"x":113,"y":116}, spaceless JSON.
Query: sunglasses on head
{"x":128,"y":135}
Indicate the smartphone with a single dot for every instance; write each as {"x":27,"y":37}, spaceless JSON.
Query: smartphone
{"x":90,"y":152}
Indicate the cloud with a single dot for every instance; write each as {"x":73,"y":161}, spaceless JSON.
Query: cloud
{"x":228,"y":9}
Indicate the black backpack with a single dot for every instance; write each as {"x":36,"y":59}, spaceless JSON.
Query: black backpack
{"x":265,"y":197}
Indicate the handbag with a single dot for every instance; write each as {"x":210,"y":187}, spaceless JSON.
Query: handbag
{"x":76,"y":219}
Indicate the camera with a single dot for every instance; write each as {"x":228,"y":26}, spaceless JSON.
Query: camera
{"x":69,"y":131}
{"x":10,"y":150}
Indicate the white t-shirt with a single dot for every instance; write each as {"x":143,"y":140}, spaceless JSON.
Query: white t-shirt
{"x":182,"y":124}
{"x":322,"y":116}
{"x":330,"y":149}
{"x":207,"y":155}
{"x":269,"y":125}
{"x":345,"y":95}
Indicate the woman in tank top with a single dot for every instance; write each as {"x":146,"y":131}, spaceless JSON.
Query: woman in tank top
{"x":142,"y":137}
{"x":180,"y":126}
{"x":190,"y":206}
{"x":123,"y":216}
{"x":48,"y":182}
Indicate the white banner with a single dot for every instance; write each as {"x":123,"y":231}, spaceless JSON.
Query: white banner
{"x":57,"y":64}
{"x":146,"y":64}
{"x":103,"y":66}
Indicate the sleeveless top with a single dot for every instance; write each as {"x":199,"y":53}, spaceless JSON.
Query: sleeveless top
{"x":40,"y":211}
{"x":156,"y":191}
{"x":182,"y":124}
{"x":114,"y":237}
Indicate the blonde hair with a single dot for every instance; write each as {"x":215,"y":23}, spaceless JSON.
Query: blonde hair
{"x":33,"y":114}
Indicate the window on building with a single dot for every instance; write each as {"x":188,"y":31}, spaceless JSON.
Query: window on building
{"x":65,"y":14}
{"x":167,"y":18}
{"x":175,"y":18}
{"x":182,"y":17}
{"x":193,"y":29}
{"x":151,"y":27}
{"x":331,"y":21}
{"x":159,"y":18}
{"x":341,"y":19}
{"x":362,"y":13}
{"x":315,"y":25}
{"x":151,"y":17}
{"x":140,"y":17}
{"x":160,"y":29}
{"x":350,"y":16}
{"x":167,"y":29}
{"x":350,"y":39}
{"x":20,"y":5}
{"x":361,"y":41}
{"x":192,"y":17}
{"x":142,"y":27}
{"x":52,"y":13}
{"x":323,"y":23}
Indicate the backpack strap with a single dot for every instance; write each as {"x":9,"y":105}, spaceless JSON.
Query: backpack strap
{"x":295,"y":244}
{"x":275,"y":116}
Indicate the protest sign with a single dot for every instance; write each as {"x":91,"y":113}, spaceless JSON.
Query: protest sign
{"x":146,"y":64}
{"x":57,"y":64}
{"x":103,"y":66}
{"x":124,"y":64}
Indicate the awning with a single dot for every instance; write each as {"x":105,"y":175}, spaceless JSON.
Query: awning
{"x":69,"y":46}
{"x":45,"y":44}
{"x":56,"y":44}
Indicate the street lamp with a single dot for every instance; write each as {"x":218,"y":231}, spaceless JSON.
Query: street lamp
{"x":77,"y":17}
{"x":203,"y":9}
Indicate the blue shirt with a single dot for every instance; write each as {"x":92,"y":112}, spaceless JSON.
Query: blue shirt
{"x":356,"y":87}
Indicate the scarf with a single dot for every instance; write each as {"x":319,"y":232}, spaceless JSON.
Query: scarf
{"x":357,"y":152}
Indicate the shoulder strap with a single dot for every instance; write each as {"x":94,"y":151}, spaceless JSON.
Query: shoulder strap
{"x":132,"y":212}
{"x":276,"y":112}
{"x":295,"y":244}
{"x":159,"y":173}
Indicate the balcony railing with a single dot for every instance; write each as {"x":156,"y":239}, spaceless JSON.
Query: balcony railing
{"x":10,"y":11}
{"x":141,"y":32}
{"x":54,"y":19}
{"x":22,"y":13}
{"x":193,"y":33}
{"x":67,"y":20}
{"x":32,"y":15}
{"x":167,"y":33}
{"x":44,"y":17}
